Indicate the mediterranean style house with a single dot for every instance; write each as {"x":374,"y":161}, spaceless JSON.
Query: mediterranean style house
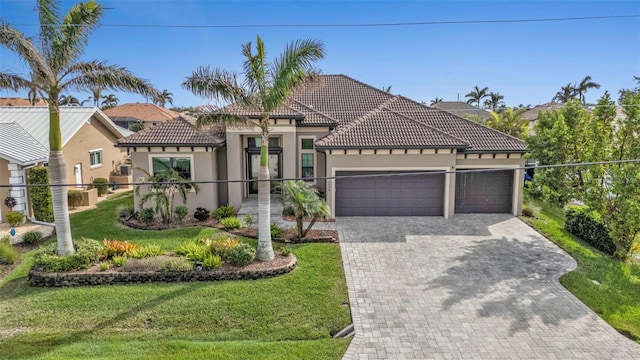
{"x":88,"y":138}
{"x":369,"y":152}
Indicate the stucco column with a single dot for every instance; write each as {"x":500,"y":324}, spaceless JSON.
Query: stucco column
{"x":17,"y":178}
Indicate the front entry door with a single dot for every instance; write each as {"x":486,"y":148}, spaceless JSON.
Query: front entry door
{"x":253,"y":168}
{"x":77,"y":170}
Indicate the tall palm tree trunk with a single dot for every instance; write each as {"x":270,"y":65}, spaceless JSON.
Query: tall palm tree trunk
{"x":265,"y":249}
{"x":58,"y":175}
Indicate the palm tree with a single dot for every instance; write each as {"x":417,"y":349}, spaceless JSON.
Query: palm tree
{"x":301,"y":197}
{"x":57,"y":66}
{"x":494,"y":101}
{"x":435,"y":101}
{"x":109,"y":101}
{"x":69,"y":100}
{"x":163,"y":188}
{"x":477,"y":95}
{"x":96,"y":93}
{"x":34,"y":93}
{"x":266,"y":86}
{"x":386,"y":89}
{"x":565,"y":94}
{"x":585,"y":85}
{"x":164,"y":97}
{"x":509,"y":122}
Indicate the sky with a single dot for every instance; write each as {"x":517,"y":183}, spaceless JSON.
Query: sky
{"x":526,"y":62}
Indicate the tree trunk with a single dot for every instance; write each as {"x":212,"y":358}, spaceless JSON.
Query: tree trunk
{"x":265,"y":249}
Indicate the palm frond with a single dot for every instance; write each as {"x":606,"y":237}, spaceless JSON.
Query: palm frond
{"x":23,"y":47}
{"x":88,"y":75}
{"x":14,"y":82}
{"x":49,"y":16}
{"x":291,"y":68}
{"x":255,"y":67}
{"x":215,"y":84}
{"x":221,"y":120}
{"x":81,"y":20}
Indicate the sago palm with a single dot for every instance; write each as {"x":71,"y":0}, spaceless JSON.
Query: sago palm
{"x":56,"y":66}
{"x":265,"y":87}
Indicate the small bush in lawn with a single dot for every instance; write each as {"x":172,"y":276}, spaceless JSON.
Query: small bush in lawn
{"x":181,"y":213}
{"x":113,"y":248}
{"x":276,"y":231}
{"x":177,"y":264}
{"x":124,"y":211}
{"x":201,"y":214}
{"x":147,"y":216}
{"x":211,"y":262}
{"x":248,"y":220}
{"x":528,"y":212}
{"x":8,"y":255}
{"x":222,"y":247}
{"x":587,"y":225}
{"x":86,"y":254}
{"x":104,"y":266}
{"x":74,"y":197}
{"x":15,"y":218}
{"x":6,"y":239}
{"x":32,"y":237}
{"x":119,"y":260}
{"x":231,"y":223}
{"x":145,"y":251}
{"x":285,"y":250}
{"x":224,"y":211}
{"x":241,"y":255}
{"x":102,"y":185}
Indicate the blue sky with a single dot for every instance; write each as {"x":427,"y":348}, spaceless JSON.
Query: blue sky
{"x":525,"y":62}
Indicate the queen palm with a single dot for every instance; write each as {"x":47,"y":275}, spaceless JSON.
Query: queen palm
{"x":56,"y":67}
{"x":435,"y":101}
{"x":565,"y":94}
{"x":583,"y":86}
{"x":109,"y":101}
{"x":476,"y":95}
{"x":494,"y":101}
{"x":163,"y":98}
{"x":96,"y":93}
{"x":265,"y":87}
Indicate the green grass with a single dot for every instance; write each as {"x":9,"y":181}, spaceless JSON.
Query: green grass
{"x":617,"y":299}
{"x":290,"y":316}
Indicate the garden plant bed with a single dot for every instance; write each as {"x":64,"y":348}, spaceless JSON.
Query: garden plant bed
{"x":93,"y":276}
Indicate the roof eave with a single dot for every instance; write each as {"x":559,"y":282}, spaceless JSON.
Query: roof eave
{"x":168,"y":144}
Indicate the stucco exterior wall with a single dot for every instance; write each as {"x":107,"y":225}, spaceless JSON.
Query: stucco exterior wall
{"x":92,"y":136}
{"x":4,"y":180}
{"x":320,"y":157}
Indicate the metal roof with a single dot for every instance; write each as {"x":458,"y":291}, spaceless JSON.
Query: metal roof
{"x":16,"y":145}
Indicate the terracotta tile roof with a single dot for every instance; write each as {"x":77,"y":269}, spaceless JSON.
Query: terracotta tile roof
{"x":140,"y":112}
{"x":282,"y":112}
{"x":175,"y":132}
{"x":16,"y":101}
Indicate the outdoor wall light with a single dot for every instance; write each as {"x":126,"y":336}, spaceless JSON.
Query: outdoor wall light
{"x":198,"y":266}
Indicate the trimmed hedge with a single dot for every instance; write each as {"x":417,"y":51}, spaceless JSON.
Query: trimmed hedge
{"x":41,"y":195}
{"x":586,"y":225}
{"x":102,"y":185}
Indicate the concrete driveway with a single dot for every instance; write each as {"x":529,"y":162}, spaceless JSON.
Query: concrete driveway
{"x":471,"y":287}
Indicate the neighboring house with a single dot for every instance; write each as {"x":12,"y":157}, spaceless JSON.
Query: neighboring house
{"x":127,"y":114}
{"x":462,"y":109}
{"x":14,"y":101}
{"x":371,"y":152}
{"x":531,"y":115}
{"x":88,"y":138}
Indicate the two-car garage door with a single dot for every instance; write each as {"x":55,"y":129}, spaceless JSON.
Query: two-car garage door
{"x":382,"y":193}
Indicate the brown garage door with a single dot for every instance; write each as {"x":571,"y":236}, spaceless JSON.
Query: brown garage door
{"x":484,"y":192}
{"x":399,"y":195}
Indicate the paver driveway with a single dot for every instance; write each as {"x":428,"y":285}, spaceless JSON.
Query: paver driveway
{"x":475,"y":286}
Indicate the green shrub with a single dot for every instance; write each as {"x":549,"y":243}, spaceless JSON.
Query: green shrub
{"x":285,"y":250}
{"x":193,"y":251}
{"x":248,"y":220}
{"x":241,"y":255}
{"x":74,"y":197}
{"x":40,"y":195}
{"x":211,"y":262}
{"x":147,"y":216}
{"x":587,"y":226}
{"x":231,"y":223}
{"x":8,"y":255}
{"x":276,"y":231}
{"x":104,"y":266}
{"x":102,"y":185}
{"x":528,"y":212}
{"x":86,"y":254}
{"x":32,"y":237}
{"x":201,"y":214}
{"x":15,"y":218}
{"x":224,"y":211}
{"x":177,"y":264}
{"x":145,"y":251}
{"x":119,"y":260}
{"x":222,"y":247}
{"x":181,"y":213}
{"x":124,"y":211}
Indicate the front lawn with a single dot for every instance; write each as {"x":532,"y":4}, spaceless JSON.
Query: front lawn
{"x":291,"y":316}
{"x":617,"y":298}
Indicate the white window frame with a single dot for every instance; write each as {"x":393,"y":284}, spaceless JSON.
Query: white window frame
{"x":308,"y":151}
{"x":173,"y":155}
{"x":94,"y":151}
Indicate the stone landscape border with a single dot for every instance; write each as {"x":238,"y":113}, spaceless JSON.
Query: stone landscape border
{"x":88,"y":278}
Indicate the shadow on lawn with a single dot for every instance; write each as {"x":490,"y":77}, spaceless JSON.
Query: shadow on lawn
{"x":511,"y":279}
{"x":24,"y":345}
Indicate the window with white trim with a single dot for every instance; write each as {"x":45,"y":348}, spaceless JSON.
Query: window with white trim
{"x":181,"y":164}
{"x":307,"y":158}
{"x":95,"y":158}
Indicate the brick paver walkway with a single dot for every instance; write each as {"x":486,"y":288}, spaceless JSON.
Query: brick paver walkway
{"x":471,"y":287}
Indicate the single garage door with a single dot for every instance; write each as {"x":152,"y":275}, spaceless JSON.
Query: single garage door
{"x":484,"y":192}
{"x":400,"y":195}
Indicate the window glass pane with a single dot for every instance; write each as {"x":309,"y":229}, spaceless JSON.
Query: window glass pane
{"x":307,"y":160}
{"x":307,"y":144}
{"x":95,"y":158}
{"x":274,"y":142}
{"x":183,"y":167}
{"x":254,"y":142}
{"x":162,"y":165}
